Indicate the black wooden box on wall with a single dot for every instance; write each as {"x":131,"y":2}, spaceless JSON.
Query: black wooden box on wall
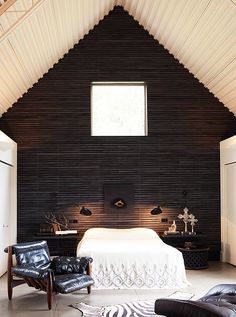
{"x":118,"y":199}
{"x":57,"y":154}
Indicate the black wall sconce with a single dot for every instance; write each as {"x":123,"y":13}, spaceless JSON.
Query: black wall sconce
{"x":85,"y":211}
{"x":156,"y":211}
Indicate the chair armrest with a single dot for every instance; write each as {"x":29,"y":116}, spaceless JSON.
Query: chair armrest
{"x":178,"y":308}
{"x":30,"y":272}
{"x":88,"y":269}
{"x":68,"y":264}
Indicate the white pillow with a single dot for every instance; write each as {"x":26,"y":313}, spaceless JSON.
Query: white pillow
{"x":120,"y":234}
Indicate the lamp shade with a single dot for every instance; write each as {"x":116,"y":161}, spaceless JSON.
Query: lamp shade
{"x":156,"y":211}
{"x":85,"y":211}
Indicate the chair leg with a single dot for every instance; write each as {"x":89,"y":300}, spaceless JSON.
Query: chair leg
{"x":49,"y":291}
{"x":89,"y":271}
{"x":9,"y":285}
{"x":9,"y":274}
{"x":89,"y":289}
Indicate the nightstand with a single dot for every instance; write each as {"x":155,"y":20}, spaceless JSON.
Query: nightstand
{"x":178,"y":240}
{"x":60,"y":244}
{"x":196,"y":256}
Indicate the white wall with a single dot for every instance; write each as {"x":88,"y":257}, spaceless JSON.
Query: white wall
{"x":228,"y":199}
{"x":8,"y":203}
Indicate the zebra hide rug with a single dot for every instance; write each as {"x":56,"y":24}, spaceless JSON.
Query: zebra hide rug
{"x":133,"y":309}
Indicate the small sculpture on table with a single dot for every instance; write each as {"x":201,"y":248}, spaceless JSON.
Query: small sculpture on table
{"x":185,"y":218}
{"x":192,"y":221}
{"x":172,"y":229}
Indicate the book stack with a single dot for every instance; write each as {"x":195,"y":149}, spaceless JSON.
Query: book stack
{"x":63,"y":232}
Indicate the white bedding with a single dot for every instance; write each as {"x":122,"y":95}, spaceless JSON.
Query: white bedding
{"x":132,"y":258}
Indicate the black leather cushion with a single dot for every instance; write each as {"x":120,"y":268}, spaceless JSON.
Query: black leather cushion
{"x":71,"y":282}
{"x":177,"y":308}
{"x":35,"y":253}
{"x":30,"y":271}
{"x":221,"y":293}
{"x":220,"y":301}
{"x":68,"y":264}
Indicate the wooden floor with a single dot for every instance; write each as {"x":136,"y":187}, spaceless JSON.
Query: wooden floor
{"x":28,"y":302}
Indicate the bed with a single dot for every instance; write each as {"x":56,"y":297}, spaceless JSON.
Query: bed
{"x":132,"y":258}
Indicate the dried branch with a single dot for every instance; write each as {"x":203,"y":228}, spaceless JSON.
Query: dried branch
{"x":60,"y":220}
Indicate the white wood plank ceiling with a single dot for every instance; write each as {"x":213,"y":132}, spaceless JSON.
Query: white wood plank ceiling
{"x":36,"y":34}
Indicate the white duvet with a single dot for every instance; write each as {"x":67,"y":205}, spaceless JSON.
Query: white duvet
{"x":132,"y":258}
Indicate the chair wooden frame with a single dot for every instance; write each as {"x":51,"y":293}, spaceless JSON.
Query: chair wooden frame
{"x":45,"y":285}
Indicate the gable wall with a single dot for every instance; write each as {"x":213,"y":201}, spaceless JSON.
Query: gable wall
{"x":60,"y":165}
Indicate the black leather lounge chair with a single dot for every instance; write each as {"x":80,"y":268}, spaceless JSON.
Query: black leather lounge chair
{"x":34,"y":267}
{"x":220,"y":301}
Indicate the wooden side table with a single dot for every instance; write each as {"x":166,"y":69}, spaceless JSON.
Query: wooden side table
{"x":60,"y":244}
{"x":195,"y":258}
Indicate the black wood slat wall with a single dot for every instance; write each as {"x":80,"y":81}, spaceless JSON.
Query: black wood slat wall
{"x":60,"y":165}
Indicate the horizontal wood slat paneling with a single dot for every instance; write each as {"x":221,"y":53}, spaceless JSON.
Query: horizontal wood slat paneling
{"x":57,"y":157}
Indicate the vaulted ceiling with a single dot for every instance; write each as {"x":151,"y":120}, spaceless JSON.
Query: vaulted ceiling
{"x":36,"y":34}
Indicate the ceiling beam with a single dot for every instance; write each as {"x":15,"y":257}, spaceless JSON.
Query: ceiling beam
{"x":6,"y":5}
